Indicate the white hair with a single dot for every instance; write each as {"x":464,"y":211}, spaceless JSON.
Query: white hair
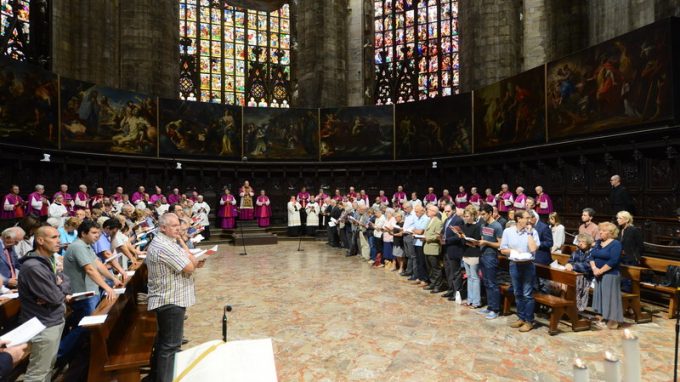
{"x":54,"y":222}
{"x":164,"y":219}
{"x":13,"y":232}
{"x":39,"y":187}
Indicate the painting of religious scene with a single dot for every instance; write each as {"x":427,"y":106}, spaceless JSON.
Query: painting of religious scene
{"x":511,"y":112}
{"x":199,"y":129}
{"x":435,"y":127}
{"x":102,"y":119}
{"x":357,"y":133}
{"x":29,"y":107}
{"x":271,"y":133}
{"x":625,"y":81}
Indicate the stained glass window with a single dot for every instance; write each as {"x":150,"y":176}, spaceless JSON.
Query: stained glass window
{"x":239,"y":56}
{"x":416,"y":49}
{"x":15,"y":28}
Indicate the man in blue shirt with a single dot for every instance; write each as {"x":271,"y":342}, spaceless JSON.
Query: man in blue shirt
{"x":420,"y":270}
{"x":523,"y":239}
{"x":102,"y":247}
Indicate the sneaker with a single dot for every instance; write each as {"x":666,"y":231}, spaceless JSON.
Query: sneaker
{"x":491,"y":315}
{"x":527,"y":326}
{"x":458,"y":299}
{"x":484,"y":311}
{"x":517,"y":324}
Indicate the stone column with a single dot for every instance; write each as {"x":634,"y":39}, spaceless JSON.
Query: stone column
{"x":611,"y":18}
{"x":124,"y":44}
{"x":321,"y":56}
{"x":490,"y":41}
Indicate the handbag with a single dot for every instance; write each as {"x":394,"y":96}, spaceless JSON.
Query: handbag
{"x":648,"y":276}
{"x":672,"y":276}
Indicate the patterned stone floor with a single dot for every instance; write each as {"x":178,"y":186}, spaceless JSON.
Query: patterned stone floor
{"x":333,"y":318}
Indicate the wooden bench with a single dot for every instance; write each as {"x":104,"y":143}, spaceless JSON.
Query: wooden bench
{"x":630,"y":300}
{"x":659,"y":265}
{"x":121,"y":345}
{"x":568,"y":249}
{"x":559,"y":305}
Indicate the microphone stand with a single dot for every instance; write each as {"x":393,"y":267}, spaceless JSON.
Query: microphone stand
{"x":677,"y":337}
{"x":243,"y":241}
{"x":227,"y":308}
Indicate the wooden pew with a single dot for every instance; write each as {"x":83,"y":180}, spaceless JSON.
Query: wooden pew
{"x":630,"y":300}
{"x":559,"y":305}
{"x":568,"y":249}
{"x":122,"y":344}
{"x":659,"y":266}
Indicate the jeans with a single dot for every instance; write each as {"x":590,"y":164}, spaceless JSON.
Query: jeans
{"x":473,"y":285}
{"x":489,"y":267}
{"x":373,"y":252}
{"x":75,"y":334}
{"x":421,"y":266}
{"x":170,"y":322}
{"x":44,"y":347}
{"x":523,"y":275}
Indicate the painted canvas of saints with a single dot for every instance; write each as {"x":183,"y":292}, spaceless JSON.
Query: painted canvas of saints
{"x":357,"y":133}
{"x":199,"y":129}
{"x":102,"y":119}
{"x":29,"y":107}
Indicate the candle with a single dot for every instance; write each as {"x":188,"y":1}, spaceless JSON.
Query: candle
{"x":612,"y":367}
{"x":580,"y":371}
{"x":631,"y":355}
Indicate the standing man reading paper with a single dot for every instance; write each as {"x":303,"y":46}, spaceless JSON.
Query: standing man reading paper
{"x":171,"y":291}
{"x":42,"y":293}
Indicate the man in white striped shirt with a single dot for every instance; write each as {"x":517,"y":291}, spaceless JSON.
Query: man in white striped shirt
{"x":171,"y":291}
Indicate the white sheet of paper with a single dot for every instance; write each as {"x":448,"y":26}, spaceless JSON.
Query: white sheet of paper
{"x":110,"y":259}
{"x":24,"y":332}
{"x":10,"y":295}
{"x":241,"y":361}
{"x":141,"y":257}
{"x":197,"y":239}
{"x":130,"y":273}
{"x":119,"y":291}
{"x":419,"y":236}
{"x":92,"y":320}
{"x":77,"y":296}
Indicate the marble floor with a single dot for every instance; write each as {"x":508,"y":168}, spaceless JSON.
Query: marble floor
{"x":334,"y":318}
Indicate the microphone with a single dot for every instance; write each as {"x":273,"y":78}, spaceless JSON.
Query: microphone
{"x":227,"y":308}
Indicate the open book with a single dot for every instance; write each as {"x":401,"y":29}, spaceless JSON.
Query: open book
{"x":197,"y":252}
{"x":110,"y":259}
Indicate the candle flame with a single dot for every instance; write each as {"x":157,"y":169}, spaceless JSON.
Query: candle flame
{"x":627,"y":334}
{"x":578,"y":362}
{"x":609,"y":356}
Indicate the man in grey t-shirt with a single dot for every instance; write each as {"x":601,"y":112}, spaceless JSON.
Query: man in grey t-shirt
{"x":85,"y":271}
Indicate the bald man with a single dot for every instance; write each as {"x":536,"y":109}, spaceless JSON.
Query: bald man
{"x":42,"y":293}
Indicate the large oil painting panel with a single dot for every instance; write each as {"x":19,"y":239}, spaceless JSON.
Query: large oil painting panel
{"x":357,"y":133}
{"x":198,"y":129}
{"x":281,"y":134}
{"x":511,"y":112}
{"x":437,"y":127}
{"x":623,"y":82}
{"x":101,"y":119}
{"x":29,"y":106}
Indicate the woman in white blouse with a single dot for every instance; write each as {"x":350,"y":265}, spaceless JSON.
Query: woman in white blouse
{"x":557,"y":231}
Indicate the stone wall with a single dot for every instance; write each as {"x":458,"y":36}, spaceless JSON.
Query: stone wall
{"x":124,"y":44}
{"x":610,"y":18}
